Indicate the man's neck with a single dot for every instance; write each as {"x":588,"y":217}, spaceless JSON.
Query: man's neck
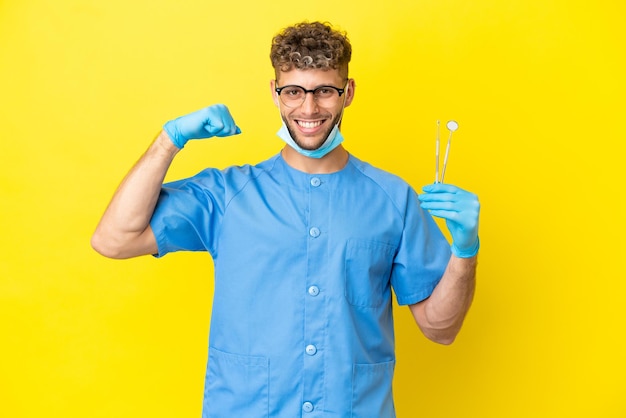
{"x":330,"y":163}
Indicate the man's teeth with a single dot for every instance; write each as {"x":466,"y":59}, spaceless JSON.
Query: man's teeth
{"x":309,"y":125}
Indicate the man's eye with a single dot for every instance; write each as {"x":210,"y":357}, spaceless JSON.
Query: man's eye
{"x":324,"y":92}
{"x":292,"y":92}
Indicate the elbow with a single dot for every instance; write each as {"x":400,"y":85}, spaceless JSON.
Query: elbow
{"x":442,"y":337}
{"x":103,"y":246}
{"x":442,"y":332}
{"x":448,"y":340}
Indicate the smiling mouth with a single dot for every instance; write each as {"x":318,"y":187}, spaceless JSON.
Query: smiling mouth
{"x":309,"y":125}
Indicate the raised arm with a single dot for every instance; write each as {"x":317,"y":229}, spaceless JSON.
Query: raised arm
{"x":441,"y":316}
{"x":124,"y":229}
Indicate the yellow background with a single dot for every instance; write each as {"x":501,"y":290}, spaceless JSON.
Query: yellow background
{"x":537,"y":87}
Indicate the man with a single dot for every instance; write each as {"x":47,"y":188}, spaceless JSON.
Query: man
{"x":306,"y":245}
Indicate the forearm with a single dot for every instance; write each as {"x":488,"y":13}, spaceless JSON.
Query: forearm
{"x":441,"y":316}
{"x":120,"y":231}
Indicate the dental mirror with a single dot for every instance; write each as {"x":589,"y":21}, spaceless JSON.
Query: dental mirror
{"x":452,"y":126}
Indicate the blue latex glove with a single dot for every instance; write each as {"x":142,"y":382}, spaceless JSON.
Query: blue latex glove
{"x":460,"y":209}
{"x":205,"y":123}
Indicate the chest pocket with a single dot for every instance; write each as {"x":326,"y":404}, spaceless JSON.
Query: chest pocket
{"x":367,"y":272}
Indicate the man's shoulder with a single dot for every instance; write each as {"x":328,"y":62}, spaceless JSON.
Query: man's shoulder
{"x":397,"y":190}
{"x":385,"y":179}
{"x":229,"y":179}
{"x":247,"y":171}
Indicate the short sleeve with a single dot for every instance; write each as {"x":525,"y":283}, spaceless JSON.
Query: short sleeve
{"x":188,"y":213}
{"x":422,"y":255}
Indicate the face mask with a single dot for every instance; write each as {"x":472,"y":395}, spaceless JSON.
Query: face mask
{"x":334,"y":138}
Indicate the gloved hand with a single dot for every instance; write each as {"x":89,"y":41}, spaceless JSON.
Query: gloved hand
{"x":205,"y":123}
{"x":460,"y":209}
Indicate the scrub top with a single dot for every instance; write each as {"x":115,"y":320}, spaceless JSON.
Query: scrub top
{"x":304,"y":266}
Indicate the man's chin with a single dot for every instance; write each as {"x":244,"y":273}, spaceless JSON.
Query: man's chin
{"x":309,"y":146}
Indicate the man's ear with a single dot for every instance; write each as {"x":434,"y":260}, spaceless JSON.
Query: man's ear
{"x":274,"y":94}
{"x":350,"y":91}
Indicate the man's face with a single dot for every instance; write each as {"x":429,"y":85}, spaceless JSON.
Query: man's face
{"x":310,"y":124}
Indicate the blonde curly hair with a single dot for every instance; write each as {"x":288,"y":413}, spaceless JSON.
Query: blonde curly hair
{"x":313,"y":45}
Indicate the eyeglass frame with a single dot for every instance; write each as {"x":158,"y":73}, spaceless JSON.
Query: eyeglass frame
{"x":339,"y":91}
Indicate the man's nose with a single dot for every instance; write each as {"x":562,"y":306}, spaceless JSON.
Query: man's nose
{"x":309,"y":105}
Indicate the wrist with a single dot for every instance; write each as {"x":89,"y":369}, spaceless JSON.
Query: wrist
{"x":466,"y":252}
{"x":174,"y":135}
{"x":165,"y":143}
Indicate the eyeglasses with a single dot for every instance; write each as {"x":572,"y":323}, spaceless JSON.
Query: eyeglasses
{"x":325,"y":96}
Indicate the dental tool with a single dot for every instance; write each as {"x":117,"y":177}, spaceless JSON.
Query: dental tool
{"x":437,"y":155}
{"x":452,"y":127}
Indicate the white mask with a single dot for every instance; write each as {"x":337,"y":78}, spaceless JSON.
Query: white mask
{"x":334,"y":138}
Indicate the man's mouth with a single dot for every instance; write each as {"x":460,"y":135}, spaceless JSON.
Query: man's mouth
{"x":309,"y":124}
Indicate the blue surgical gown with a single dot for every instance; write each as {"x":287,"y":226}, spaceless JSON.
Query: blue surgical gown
{"x":304,"y":269}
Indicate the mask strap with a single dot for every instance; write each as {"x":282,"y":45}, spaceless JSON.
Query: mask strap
{"x":343,"y":106}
